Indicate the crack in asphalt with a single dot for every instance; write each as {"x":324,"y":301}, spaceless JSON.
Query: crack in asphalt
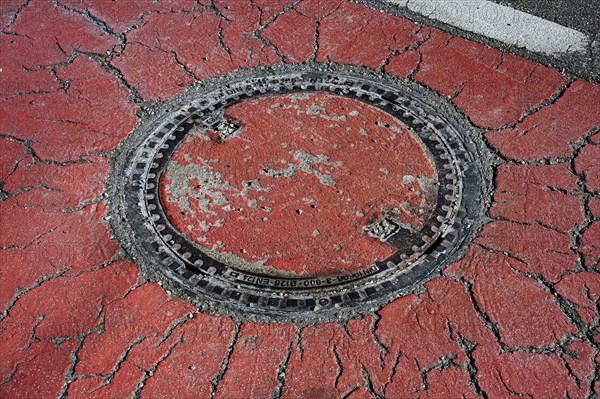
{"x":281,"y":373}
{"x":411,"y":47}
{"x":467,"y":347}
{"x":216,"y":379}
{"x":543,"y":104}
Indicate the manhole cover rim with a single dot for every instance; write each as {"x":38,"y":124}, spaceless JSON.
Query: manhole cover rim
{"x":128,"y":232}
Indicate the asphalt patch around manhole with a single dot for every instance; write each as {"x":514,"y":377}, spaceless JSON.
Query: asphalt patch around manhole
{"x":220,"y":283}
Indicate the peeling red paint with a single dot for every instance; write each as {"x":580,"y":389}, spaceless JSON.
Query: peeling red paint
{"x":297,"y":187}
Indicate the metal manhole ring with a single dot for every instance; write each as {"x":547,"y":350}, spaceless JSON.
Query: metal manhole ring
{"x":145,"y":231}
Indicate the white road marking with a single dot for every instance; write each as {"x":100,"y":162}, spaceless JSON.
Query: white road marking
{"x":502,"y":23}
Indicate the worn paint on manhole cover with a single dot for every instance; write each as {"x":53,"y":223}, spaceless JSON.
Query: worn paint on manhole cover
{"x":298,"y":191}
{"x":311,"y":184}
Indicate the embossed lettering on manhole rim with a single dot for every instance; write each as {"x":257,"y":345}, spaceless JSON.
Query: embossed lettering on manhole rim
{"x":297,"y":191}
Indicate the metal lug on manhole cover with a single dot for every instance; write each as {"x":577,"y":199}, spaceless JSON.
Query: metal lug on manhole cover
{"x":299,"y":192}
{"x":382,"y":229}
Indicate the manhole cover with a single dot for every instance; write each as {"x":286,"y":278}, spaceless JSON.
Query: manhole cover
{"x":297,"y":191}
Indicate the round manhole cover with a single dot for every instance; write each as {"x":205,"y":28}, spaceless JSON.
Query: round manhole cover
{"x":298,"y":191}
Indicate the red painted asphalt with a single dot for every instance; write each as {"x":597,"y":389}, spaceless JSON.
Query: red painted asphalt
{"x":517,"y":316}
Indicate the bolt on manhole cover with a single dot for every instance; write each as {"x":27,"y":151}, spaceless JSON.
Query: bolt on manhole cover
{"x":297,"y":191}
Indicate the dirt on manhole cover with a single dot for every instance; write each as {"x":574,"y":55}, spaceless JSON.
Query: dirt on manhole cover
{"x":298,"y":192}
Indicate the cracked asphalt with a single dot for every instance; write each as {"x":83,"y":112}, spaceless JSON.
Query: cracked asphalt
{"x":517,"y":316}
